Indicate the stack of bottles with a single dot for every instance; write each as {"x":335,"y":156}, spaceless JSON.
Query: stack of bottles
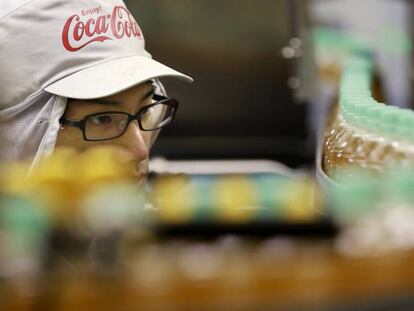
{"x":366,"y":134}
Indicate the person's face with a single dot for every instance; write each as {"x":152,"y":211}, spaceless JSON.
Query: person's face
{"x":133,"y":145}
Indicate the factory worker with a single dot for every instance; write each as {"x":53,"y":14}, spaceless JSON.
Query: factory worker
{"x":76,"y":73}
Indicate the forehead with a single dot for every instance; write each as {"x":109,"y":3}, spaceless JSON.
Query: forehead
{"x":134,"y":94}
{"x":129,"y":101}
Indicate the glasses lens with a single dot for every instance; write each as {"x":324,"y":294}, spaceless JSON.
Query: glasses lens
{"x":157,"y":115}
{"x":105,"y":125}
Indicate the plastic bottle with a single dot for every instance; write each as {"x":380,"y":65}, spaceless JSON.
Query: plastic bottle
{"x":340,"y":129}
{"x":353,"y":155}
{"x":337,"y":129}
{"x":383,"y":155}
{"x":353,"y":197}
{"x":354,"y":89}
{"x":405,"y":133}
{"x":339,"y":152}
{"x":366,"y":120}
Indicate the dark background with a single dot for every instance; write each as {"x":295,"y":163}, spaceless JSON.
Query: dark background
{"x":239,"y":105}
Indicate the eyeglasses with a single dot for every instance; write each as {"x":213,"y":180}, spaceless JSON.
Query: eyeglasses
{"x":112,"y":124}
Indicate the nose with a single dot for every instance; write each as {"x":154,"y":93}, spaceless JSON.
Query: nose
{"x":136,"y":142}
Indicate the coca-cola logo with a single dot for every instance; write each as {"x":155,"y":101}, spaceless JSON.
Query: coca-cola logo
{"x":78,"y":33}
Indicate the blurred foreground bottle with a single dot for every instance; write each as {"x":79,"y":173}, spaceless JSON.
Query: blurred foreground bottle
{"x":375,"y":211}
{"x":70,"y":205}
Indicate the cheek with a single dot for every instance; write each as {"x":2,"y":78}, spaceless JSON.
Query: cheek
{"x":70,"y":137}
{"x":146,"y":139}
{"x":154,"y":135}
{"x":149,"y":137}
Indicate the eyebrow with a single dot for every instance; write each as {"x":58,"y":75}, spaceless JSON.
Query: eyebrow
{"x":109,"y":102}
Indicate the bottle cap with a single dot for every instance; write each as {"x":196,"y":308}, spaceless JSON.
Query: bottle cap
{"x":405,"y":125}
{"x":387,"y":121}
{"x":373,"y":113}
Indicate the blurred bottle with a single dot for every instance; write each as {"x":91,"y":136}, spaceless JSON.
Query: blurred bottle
{"x":398,"y":186}
{"x":353,"y":151}
{"x":404,"y":130}
{"x":340,"y":145}
{"x":354,"y":90}
{"x":375,"y":211}
{"x":367,"y":121}
{"x":337,"y":128}
{"x":384,"y":151}
{"x":355,"y":196}
{"x":337,"y":154}
{"x":358,"y":139}
{"x":24,"y":228}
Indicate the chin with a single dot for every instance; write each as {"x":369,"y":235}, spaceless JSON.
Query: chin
{"x":141,"y":179}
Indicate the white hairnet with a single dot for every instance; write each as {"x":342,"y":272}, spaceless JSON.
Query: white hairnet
{"x":30,"y":128}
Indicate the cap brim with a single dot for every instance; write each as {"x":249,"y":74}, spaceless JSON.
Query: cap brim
{"x":109,"y":78}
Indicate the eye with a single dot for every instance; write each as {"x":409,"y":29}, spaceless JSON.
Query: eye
{"x":104,"y":119}
{"x":147,"y":110}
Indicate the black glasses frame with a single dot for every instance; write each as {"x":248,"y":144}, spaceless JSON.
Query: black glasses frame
{"x":160,"y":100}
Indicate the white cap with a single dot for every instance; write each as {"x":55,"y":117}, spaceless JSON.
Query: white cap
{"x":78,"y":49}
